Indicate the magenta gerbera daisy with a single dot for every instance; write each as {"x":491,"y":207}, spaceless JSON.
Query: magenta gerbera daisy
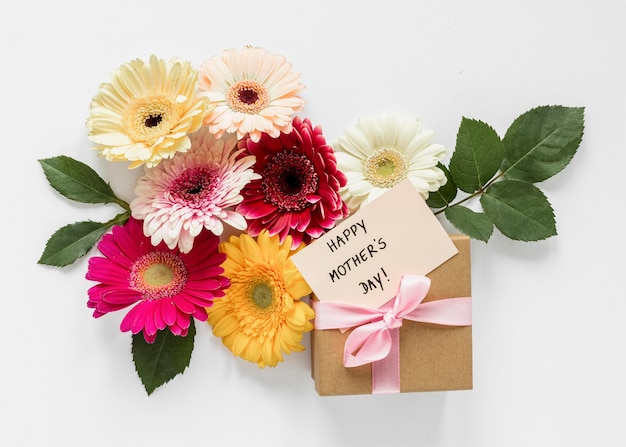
{"x":194,"y":190}
{"x":167,"y":287}
{"x":297,"y":193}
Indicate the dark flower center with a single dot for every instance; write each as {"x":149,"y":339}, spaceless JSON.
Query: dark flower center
{"x":153,"y":120}
{"x":193,"y":186}
{"x":248,"y":96}
{"x":290,"y":182}
{"x":287,"y":181}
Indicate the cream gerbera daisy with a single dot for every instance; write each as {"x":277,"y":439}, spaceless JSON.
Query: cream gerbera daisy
{"x":143,"y":115}
{"x":383,"y":149}
{"x":254,"y":91}
{"x":194,"y":190}
{"x":262,"y":315}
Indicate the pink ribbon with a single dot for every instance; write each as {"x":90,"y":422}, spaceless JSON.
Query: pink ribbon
{"x":376,"y":335}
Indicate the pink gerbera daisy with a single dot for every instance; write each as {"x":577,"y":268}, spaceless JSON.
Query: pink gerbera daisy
{"x":253,"y":91}
{"x":297,"y":193}
{"x":192,"y":191}
{"x":167,"y":286}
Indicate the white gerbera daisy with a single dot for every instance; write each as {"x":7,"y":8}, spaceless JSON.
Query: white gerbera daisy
{"x":382,"y":150}
{"x":194,"y":190}
{"x":253,"y":90}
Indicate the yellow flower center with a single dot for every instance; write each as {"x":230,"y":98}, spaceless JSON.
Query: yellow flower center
{"x":386,"y":167}
{"x":148,"y":119}
{"x":262,"y":295}
{"x":158,"y":275}
{"x":257,"y":299}
{"x":248,"y":97}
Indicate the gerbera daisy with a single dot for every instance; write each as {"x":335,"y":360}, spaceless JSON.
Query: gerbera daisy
{"x":167,"y":287}
{"x":298,"y":192}
{"x":145,"y":112}
{"x":254,"y":91}
{"x":192,"y":191}
{"x":384,"y":149}
{"x":262,"y":315}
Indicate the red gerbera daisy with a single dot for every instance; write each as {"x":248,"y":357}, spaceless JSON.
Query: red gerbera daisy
{"x":168,"y":286}
{"x":298,"y":192}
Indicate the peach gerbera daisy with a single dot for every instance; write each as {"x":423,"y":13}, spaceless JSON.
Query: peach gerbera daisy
{"x":143,"y":115}
{"x":261,"y":316}
{"x":254,"y":92}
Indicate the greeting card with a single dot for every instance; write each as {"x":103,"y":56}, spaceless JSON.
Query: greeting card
{"x":362,"y":260}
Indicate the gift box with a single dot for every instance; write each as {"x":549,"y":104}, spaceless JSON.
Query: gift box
{"x":433,"y":357}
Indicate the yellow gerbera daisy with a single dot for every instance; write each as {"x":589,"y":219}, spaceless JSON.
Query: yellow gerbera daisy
{"x":261,"y":316}
{"x":145,"y":112}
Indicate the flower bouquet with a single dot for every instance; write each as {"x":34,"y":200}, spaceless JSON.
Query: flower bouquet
{"x":235,"y":182}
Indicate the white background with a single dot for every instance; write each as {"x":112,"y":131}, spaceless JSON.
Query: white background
{"x":549,"y":332}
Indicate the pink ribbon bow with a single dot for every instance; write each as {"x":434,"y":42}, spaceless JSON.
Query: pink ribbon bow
{"x":376,"y":335}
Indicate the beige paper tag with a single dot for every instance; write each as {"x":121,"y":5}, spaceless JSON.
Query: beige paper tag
{"x":362,"y":260}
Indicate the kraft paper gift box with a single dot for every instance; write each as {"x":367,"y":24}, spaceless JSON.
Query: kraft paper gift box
{"x":432,"y":357}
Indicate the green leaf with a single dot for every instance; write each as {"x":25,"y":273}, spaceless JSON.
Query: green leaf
{"x":477,"y":155}
{"x":161,"y":361}
{"x":541,"y":142}
{"x":519,"y":210}
{"x":445,"y":194}
{"x":77,"y":181}
{"x":71,"y":242}
{"x":475,"y":225}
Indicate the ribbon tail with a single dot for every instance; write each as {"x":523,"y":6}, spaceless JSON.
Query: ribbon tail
{"x":386,"y":372}
{"x":450,"y":312}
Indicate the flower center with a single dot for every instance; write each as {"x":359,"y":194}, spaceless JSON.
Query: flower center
{"x":262,"y":295}
{"x":158,"y":274}
{"x":257,"y":298}
{"x":193,"y":185}
{"x":247,"y":97}
{"x":385,"y":167}
{"x":149,"y":119}
{"x":287,"y":181}
{"x":153,"y":120}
